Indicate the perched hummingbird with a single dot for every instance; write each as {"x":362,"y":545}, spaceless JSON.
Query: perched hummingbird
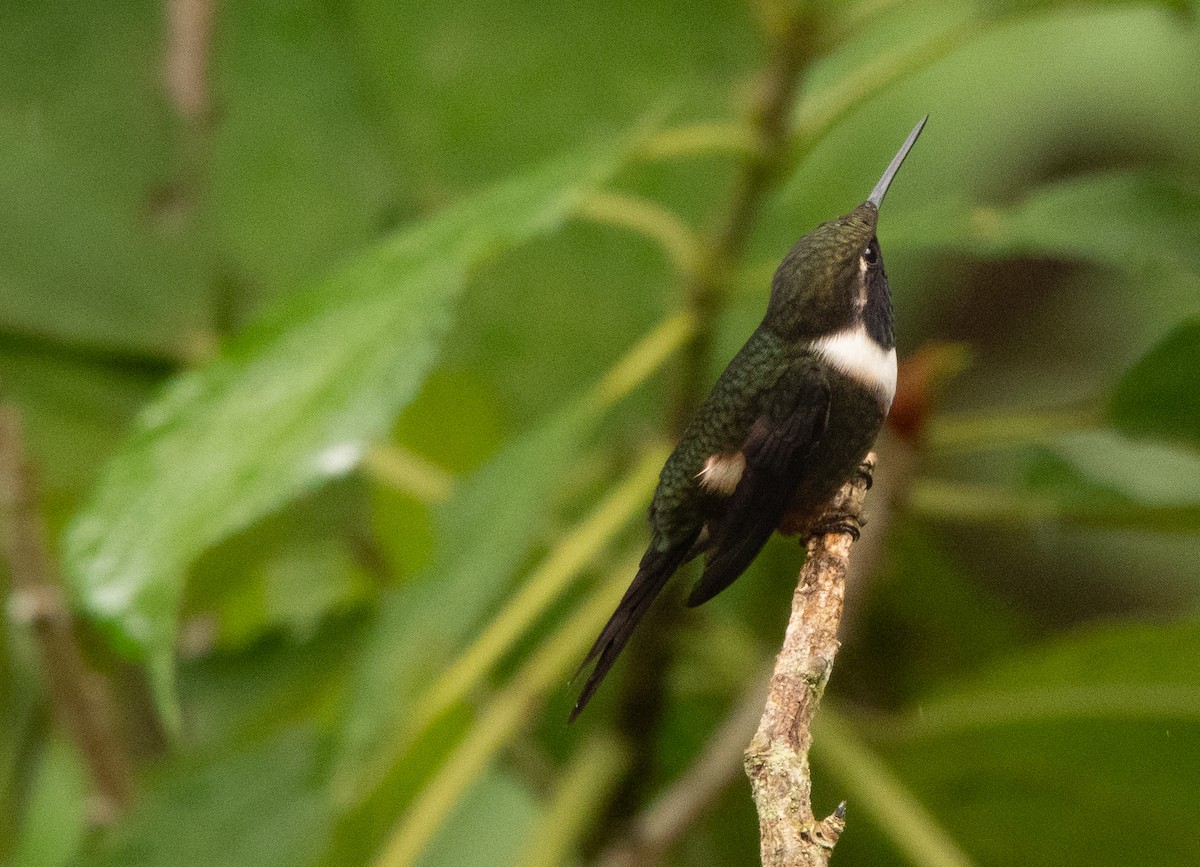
{"x":786,"y":425}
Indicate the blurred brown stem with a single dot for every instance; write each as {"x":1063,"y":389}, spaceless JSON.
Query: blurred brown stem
{"x":777,"y":760}
{"x":186,"y":61}
{"x":79,"y":695}
{"x":694,"y":794}
{"x":769,"y":119}
{"x":889,"y":491}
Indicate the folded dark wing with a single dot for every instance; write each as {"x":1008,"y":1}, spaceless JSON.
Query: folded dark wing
{"x":776,"y":450}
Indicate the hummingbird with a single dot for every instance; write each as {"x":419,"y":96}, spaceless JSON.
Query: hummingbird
{"x":787,"y":423}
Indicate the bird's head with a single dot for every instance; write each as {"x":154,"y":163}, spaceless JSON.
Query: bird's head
{"x":833,"y":279}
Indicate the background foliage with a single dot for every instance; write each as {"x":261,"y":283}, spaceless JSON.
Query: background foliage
{"x":346,"y":398}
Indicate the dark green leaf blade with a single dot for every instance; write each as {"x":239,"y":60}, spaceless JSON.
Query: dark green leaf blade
{"x":1096,"y":730}
{"x":1160,"y":395}
{"x":489,"y":828}
{"x":265,"y":798}
{"x":1141,"y":223}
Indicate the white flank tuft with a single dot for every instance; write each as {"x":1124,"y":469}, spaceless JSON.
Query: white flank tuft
{"x":722,"y":473}
{"x":856,"y":354}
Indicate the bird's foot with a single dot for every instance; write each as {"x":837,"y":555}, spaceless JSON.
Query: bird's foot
{"x":831,"y":524}
{"x":866,"y":471}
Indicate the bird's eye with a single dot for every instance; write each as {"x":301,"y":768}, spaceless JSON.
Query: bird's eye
{"x":871,"y":254}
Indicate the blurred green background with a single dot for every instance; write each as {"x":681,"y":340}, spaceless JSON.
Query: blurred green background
{"x":346,"y":355}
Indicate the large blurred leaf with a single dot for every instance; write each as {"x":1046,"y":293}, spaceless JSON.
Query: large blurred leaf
{"x":117,"y":225}
{"x":898,"y":644}
{"x":1160,"y":395}
{"x":54,"y":821}
{"x":298,"y":172}
{"x":1102,"y":479}
{"x":251,"y":807}
{"x":1154,"y":474}
{"x":1080,"y":753}
{"x":85,"y":143}
{"x":489,"y":828}
{"x":279,"y":682}
{"x":289,"y":571}
{"x":292,"y":402}
{"x":1144,"y":223}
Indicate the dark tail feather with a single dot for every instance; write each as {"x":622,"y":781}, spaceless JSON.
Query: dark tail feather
{"x":653,"y":573}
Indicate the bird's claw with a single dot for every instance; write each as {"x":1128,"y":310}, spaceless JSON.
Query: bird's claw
{"x":839,"y":524}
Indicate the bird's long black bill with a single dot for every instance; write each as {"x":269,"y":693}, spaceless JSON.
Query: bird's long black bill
{"x":881,"y":188}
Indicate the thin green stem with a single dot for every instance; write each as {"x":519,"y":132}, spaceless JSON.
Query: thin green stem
{"x":970,"y":503}
{"x":412,"y":474}
{"x":586,"y":783}
{"x":769,"y":119}
{"x":857,"y":16}
{"x":992,"y":710}
{"x":991,"y":504}
{"x":822,"y":113}
{"x":650,"y":219}
{"x":637,"y":365}
{"x":970,"y":432}
{"x":501,"y":720}
{"x":701,"y":139}
{"x":573,"y":553}
{"x":642,"y":360}
{"x":869,"y":786}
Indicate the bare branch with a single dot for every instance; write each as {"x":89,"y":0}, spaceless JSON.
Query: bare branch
{"x":777,"y":759}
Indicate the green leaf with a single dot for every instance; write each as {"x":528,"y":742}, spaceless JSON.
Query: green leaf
{"x":293,"y":402}
{"x":1160,"y":395}
{"x":1142,"y":223}
{"x":489,"y":828}
{"x":54,"y":819}
{"x":261,"y":805}
{"x":483,"y":536}
{"x":1132,"y":221}
{"x":276,"y":683}
{"x":1100,"y":478}
{"x":290,"y":571}
{"x":1095,"y":731}
{"x":298,"y":175}
{"x":1150,"y":473}
{"x":85,"y":256}
{"x":901,"y":643}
